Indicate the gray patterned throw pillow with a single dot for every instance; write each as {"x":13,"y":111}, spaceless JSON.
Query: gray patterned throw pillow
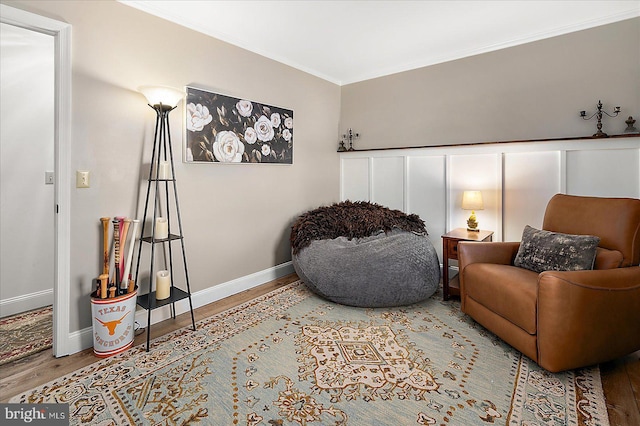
{"x":542,"y":250}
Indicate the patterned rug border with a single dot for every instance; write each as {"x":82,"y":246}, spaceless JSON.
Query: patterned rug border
{"x":591,"y":411}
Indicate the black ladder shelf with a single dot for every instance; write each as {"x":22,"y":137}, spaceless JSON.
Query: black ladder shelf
{"x":162,"y":146}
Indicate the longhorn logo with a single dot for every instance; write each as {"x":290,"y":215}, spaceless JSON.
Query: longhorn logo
{"x":111,"y":325}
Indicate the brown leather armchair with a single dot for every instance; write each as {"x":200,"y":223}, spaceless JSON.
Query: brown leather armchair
{"x":569,"y":319}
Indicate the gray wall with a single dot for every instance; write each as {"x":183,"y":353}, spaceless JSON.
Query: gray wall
{"x":236,"y":218}
{"x":531,"y":91}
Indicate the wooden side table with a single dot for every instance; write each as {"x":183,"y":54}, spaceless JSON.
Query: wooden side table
{"x":450,"y":240}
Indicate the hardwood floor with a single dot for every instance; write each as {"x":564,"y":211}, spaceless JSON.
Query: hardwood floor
{"x":620,"y":378}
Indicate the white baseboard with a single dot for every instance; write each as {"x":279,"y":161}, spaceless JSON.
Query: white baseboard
{"x":83,"y":339}
{"x":26,"y":302}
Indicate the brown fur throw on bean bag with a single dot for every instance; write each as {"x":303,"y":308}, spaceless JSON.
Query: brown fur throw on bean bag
{"x":352,"y":220}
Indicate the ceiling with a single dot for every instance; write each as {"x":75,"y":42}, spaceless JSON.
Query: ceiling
{"x":350,"y":41}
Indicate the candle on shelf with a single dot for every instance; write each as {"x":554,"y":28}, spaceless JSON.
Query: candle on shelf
{"x":164,"y":171}
{"x":162,"y":229}
{"x":163,"y":285}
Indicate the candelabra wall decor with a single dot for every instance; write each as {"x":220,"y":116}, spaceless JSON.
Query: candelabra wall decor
{"x":598,"y":115}
{"x":348,"y":137}
{"x":630,"y":126}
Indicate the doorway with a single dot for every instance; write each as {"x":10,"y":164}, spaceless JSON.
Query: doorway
{"x":54,"y":256}
{"x":26,"y":170}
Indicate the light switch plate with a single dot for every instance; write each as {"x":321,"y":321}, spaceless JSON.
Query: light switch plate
{"x":48,"y":178}
{"x":82,"y":179}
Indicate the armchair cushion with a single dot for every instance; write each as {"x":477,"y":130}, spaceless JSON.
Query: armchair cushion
{"x":608,"y":259}
{"x":506,"y":289}
{"x":542,"y":250}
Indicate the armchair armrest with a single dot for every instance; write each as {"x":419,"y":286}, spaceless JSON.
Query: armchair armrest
{"x":477,"y":252}
{"x":587,"y":317}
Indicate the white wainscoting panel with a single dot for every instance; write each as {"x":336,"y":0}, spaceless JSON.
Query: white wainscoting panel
{"x":388,"y":182}
{"x":530,"y":180}
{"x":476,"y":172}
{"x":355,"y":179}
{"x":605,"y":173}
{"x":516,"y":179}
{"x":426,"y":195}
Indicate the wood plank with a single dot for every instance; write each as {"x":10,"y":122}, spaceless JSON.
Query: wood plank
{"x":575,"y":138}
{"x":618,"y":386}
{"x":633,"y":370}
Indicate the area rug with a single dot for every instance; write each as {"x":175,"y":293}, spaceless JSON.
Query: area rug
{"x":25,"y":334}
{"x":291,"y":358}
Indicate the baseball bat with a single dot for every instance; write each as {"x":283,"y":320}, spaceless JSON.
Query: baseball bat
{"x":116,"y":249}
{"x":103,"y":285}
{"x":124,"y":229}
{"x":126,"y":278}
{"x":120,"y":220}
{"x":105,"y":245}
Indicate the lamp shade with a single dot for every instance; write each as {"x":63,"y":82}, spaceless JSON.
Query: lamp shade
{"x":164,"y":95}
{"x":472,"y":200}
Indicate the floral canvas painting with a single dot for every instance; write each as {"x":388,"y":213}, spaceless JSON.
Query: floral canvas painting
{"x":223,"y":129}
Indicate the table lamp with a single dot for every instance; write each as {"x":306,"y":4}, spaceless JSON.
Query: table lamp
{"x":472,"y":200}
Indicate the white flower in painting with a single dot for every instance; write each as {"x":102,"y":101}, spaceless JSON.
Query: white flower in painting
{"x":197,"y":117}
{"x":288,"y":123}
{"x":227,"y":148}
{"x":245,"y":108}
{"x":286,"y":135}
{"x":266,"y":150}
{"x":189,"y":156}
{"x":275,"y":119}
{"x":264,"y":129}
{"x":250,"y":135}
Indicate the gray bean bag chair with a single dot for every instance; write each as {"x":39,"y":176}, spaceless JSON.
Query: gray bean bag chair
{"x":362,"y":254}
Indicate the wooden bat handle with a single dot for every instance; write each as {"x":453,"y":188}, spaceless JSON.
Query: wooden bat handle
{"x":103,"y":285}
{"x":105,"y":245}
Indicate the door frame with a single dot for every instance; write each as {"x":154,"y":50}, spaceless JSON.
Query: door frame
{"x":61,"y":32}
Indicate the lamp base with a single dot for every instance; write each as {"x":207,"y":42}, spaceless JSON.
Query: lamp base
{"x":472,"y":222}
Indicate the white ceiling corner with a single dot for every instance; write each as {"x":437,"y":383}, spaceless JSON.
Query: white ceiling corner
{"x":350,"y":41}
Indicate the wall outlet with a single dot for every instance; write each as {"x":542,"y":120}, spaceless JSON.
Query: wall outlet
{"x":48,"y":178}
{"x":82,"y":179}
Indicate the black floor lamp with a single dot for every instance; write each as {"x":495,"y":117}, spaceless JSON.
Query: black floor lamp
{"x":163,"y":100}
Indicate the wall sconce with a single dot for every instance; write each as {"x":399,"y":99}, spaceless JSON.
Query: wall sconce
{"x":598,"y":115}
{"x":349,"y":136}
{"x":472,"y":200}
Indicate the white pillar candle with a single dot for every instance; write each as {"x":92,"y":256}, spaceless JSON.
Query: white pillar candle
{"x":163,"y":285}
{"x":162,"y":229}
{"x":164,"y":171}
